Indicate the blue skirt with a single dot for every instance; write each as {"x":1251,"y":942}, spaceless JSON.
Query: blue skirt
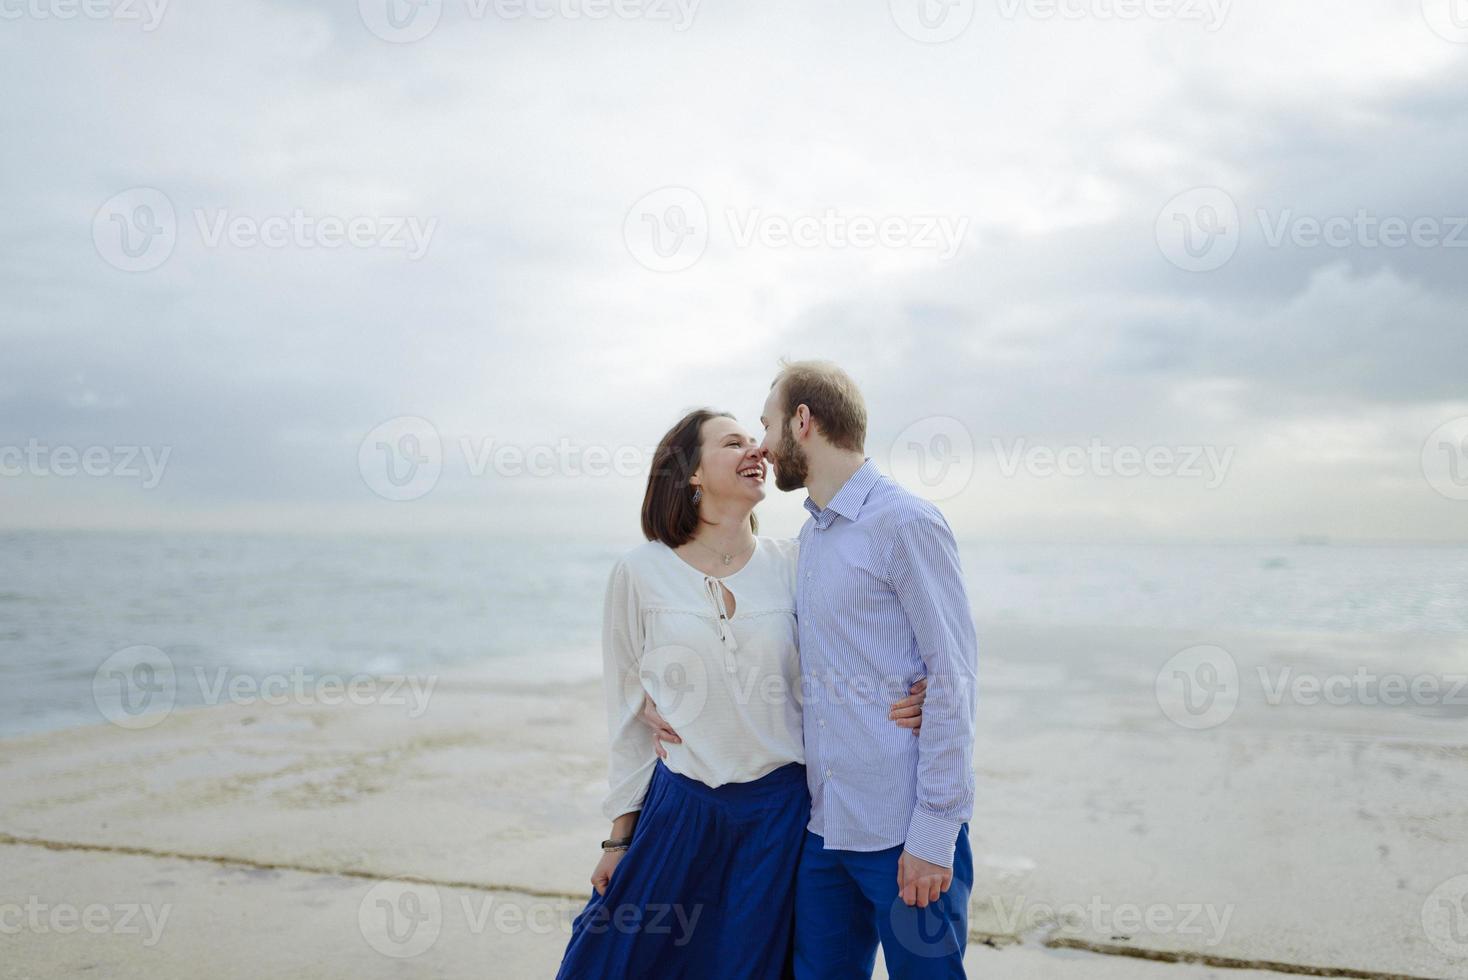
{"x":705,"y":889}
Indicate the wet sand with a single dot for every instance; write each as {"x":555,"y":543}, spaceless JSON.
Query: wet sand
{"x":256,"y":839}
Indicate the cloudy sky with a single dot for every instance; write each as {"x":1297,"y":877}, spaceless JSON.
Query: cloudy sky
{"x":1114,"y":269}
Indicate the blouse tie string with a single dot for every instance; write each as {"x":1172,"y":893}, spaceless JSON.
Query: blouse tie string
{"x":715,"y":590}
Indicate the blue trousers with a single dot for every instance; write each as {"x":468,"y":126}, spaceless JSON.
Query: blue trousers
{"x":706,"y":888}
{"x":845,"y":901}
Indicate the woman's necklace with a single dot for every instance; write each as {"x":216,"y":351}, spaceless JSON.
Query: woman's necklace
{"x":727,"y":559}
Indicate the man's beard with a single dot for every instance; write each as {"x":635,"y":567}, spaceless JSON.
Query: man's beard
{"x":792,"y":466}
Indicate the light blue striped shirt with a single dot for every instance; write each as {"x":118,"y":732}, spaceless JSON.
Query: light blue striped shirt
{"x":880,"y":602}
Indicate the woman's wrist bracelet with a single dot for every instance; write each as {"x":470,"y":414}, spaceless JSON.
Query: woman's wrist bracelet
{"x":616,"y":843}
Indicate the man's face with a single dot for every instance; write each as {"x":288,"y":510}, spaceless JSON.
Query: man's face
{"x":792,"y":466}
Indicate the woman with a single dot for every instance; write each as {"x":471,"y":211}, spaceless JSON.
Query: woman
{"x":697,"y":875}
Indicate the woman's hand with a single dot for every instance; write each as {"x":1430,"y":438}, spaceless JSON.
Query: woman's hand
{"x":602,"y":876}
{"x":908,"y":713}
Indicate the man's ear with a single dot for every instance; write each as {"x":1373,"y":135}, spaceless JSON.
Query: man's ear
{"x":802,"y":420}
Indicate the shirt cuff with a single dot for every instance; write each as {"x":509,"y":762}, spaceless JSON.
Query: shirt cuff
{"x":613,"y":812}
{"x":932,"y":838}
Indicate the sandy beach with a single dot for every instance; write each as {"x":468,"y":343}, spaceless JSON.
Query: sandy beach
{"x":454,"y":838}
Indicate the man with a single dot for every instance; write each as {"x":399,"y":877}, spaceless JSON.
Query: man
{"x":880,"y":602}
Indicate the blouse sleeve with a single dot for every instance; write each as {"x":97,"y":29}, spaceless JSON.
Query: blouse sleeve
{"x":632,"y":754}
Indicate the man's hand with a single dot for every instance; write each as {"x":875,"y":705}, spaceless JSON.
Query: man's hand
{"x":908,"y":713}
{"x":661,"y":731}
{"x":921,"y":882}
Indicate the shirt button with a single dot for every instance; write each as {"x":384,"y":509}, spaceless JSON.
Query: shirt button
{"x":822,"y":723}
{"x":828,"y":773}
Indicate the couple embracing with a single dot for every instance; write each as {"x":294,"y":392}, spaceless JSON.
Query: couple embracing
{"x":792,"y":721}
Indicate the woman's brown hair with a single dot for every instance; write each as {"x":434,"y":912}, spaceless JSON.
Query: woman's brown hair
{"x":669,"y":514}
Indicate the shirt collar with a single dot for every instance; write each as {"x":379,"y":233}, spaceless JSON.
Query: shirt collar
{"x":848,"y":500}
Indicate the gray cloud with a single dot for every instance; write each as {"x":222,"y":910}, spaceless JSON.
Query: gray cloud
{"x":528,"y":321}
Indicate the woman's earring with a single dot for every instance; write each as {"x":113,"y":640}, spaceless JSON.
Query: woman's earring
{"x":697,"y":494}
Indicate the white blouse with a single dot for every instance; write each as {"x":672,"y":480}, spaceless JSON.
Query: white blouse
{"x":728,"y":685}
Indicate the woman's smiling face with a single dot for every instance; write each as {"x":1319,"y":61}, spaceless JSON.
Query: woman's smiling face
{"x":731,"y":466}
